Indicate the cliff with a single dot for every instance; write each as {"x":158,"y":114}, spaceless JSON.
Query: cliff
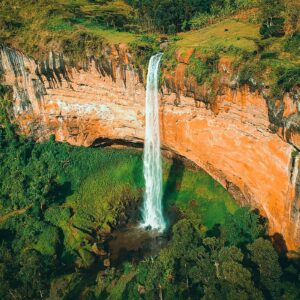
{"x":245,"y":141}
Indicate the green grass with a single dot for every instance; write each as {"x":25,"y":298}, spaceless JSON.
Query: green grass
{"x":239,"y":35}
{"x":112,"y":36}
{"x":196,"y":194}
{"x":101,"y":178}
{"x":100,"y":182}
{"x":39,"y":25}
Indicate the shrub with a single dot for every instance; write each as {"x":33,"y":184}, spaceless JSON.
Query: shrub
{"x":292,"y":44}
{"x":250,"y":73}
{"x":202,"y":69}
{"x":143,"y":48}
{"x":169,"y":58}
{"x":272,"y":28}
{"x":201,"y":20}
{"x":269,"y":55}
{"x":82,"y":44}
{"x":288,"y":77}
{"x":48,"y":241}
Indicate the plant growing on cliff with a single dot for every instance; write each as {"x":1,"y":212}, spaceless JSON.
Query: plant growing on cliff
{"x":202,"y":67}
{"x":142,"y":49}
{"x":5,"y":104}
{"x":82,"y":45}
{"x":273,"y":18}
{"x":169,"y":61}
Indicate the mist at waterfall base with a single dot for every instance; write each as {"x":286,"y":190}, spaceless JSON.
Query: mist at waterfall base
{"x":152,"y":211}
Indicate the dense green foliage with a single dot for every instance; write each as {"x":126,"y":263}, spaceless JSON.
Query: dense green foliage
{"x":53,"y":209}
{"x":199,"y":264}
{"x":215,"y":264}
{"x":168,"y":16}
{"x":202,"y":68}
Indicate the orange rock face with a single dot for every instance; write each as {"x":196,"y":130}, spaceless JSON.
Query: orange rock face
{"x":232,"y":143}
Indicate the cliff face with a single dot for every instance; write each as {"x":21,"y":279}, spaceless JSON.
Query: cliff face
{"x":232,"y":139}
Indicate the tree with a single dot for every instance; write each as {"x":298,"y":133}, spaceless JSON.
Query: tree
{"x":272,"y":18}
{"x":265,"y":258}
{"x":243,"y":227}
{"x":168,"y":16}
{"x":34,"y":275}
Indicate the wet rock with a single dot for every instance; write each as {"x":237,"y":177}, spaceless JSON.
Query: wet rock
{"x":98,"y":250}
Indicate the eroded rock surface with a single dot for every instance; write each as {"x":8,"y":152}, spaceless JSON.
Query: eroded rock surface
{"x":232,"y":139}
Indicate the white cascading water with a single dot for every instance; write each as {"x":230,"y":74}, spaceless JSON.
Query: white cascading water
{"x":152,"y":209}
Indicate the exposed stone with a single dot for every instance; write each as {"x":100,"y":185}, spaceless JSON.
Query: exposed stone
{"x":106,"y":263}
{"x":232,"y":142}
{"x":98,"y":250}
{"x":141,"y":289}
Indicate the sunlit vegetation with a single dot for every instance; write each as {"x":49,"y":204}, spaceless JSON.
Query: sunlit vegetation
{"x":261,"y":36}
{"x":42,"y":25}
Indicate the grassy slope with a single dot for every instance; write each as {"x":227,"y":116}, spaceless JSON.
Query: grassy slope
{"x":197,"y":194}
{"x":122,"y":170}
{"x":44,"y":24}
{"x":240,"y":34}
{"x":101,"y":177}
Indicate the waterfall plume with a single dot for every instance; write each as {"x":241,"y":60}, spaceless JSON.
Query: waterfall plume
{"x":152,"y":208}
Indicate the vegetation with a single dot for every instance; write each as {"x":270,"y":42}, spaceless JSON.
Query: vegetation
{"x":202,"y":69}
{"x":57,"y":207}
{"x":142,"y":49}
{"x":42,"y":25}
{"x":220,"y":10}
{"x":59,"y":204}
{"x":260,"y":37}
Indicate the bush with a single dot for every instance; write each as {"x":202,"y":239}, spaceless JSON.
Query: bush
{"x":269,"y":55}
{"x":292,"y":44}
{"x":169,"y":61}
{"x":48,"y":241}
{"x":272,"y":28}
{"x":288,"y":77}
{"x":250,"y":73}
{"x":202,"y":69}
{"x":201,"y":20}
{"x":142,"y":50}
{"x":82,"y":44}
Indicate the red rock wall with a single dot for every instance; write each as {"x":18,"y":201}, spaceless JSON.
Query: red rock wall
{"x":232,"y":142}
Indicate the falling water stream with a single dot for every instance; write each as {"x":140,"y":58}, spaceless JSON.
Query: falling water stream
{"x":152,"y":209}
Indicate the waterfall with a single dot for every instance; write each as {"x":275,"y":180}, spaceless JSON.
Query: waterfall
{"x":152,"y":209}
